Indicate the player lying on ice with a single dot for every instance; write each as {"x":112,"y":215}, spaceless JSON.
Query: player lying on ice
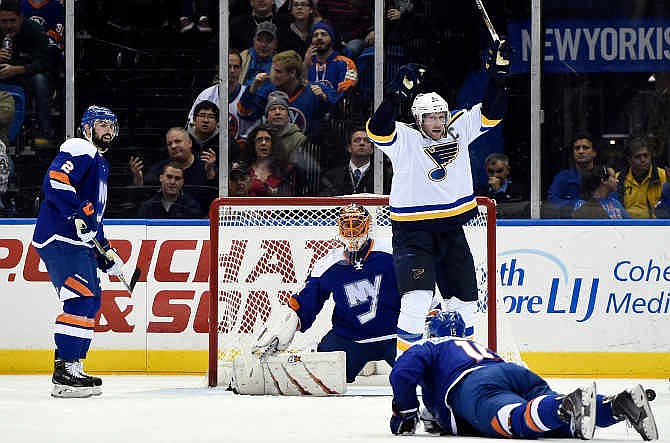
{"x":469,"y":390}
{"x":359,"y":275}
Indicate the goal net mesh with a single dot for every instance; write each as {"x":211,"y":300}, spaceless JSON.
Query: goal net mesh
{"x":263,"y":250}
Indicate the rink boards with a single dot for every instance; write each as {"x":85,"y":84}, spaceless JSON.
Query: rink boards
{"x":582,"y":299}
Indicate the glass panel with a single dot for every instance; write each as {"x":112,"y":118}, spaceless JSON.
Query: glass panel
{"x":604,"y":87}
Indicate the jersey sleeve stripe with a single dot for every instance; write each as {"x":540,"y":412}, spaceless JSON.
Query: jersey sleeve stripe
{"x":489,"y":123}
{"x":77,"y":286}
{"x":382,"y":140}
{"x":75,"y":320}
{"x":60,"y":176}
{"x":63,"y":187}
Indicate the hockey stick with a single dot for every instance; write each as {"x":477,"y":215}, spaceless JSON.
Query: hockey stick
{"x":489,"y":25}
{"x":487,"y":20}
{"x":137,"y":273}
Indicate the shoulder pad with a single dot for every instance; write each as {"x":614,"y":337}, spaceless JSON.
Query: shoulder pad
{"x":78,"y":146}
{"x":327,"y":261}
{"x":382,"y":245}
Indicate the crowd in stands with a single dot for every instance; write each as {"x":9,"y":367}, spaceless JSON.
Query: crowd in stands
{"x":299,"y":91}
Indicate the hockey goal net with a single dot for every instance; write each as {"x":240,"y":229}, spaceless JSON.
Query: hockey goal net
{"x":262,"y":249}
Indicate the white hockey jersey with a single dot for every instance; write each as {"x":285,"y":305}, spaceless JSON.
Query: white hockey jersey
{"x":432,"y":179}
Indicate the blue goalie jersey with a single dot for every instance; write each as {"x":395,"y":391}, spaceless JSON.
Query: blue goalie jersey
{"x":77,"y":174}
{"x":366,"y":297}
{"x":436,"y":365}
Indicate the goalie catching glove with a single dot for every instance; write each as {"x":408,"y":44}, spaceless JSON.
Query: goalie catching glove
{"x":278,"y":331}
{"x":406,"y":82}
{"x":110,"y":262}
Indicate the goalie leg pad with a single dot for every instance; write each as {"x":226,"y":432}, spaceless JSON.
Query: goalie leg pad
{"x":291,"y":373}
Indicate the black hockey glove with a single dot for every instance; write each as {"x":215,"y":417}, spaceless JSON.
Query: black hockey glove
{"x":403,"y":422}
{"x":110,"y":262}
{"x":498,"y":59}
{"x":407,"y":79}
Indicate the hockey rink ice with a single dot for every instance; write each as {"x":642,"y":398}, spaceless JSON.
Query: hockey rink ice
{"x":147,"y":408}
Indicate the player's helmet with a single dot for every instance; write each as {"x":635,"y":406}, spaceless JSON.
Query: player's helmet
{"x":446,"y":324}
{"x":428,"y":103}
{"x":98,"y":113}
{"x":353,"y":225}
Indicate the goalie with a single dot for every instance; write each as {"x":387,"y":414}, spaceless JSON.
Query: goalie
{"x":361,"y":280}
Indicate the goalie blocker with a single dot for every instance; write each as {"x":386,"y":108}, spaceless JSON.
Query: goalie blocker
{"x":290,"y":373}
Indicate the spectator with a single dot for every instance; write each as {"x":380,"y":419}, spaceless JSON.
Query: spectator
{"x":243,"y":27}
{"x":640,"y":183}
{"x":662,"y":209}
{"x":288,"y":137}
{"x":308,"y":103}
{"x":352,"y":20}
{"x":7,"y":107}
{"x":267,"y":179}
{"x":599,"y":201}
{"x":202,"y":10}
{"x":565,"y":189}
{"x":170,"y":201}
{"x":297,"y":33}
{"x":258,"y":58}
{"x":324,"y":65}
{"x":50,"y":14}
{"x":238,"y":180}
{"x":500,"y":186}
{"x":357,"y":176}
{"x":26,"y":64}
{"x":205,"y":129}
{"x":198,"y":171}
{"x":237,"y":127}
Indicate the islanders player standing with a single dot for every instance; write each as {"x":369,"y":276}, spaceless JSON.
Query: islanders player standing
{"x":70,"y":218}
{"x":432,"y":194}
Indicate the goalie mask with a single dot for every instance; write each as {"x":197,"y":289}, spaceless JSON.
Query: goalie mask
{"x":430,"y":103}
{"x":98,"y":115}
{"x":354,"y":228}
{"x":446,"y":324}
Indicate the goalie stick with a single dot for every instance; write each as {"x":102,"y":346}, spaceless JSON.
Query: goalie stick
{"x":137,"y":273}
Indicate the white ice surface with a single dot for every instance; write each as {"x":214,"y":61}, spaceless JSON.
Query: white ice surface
{"x":182,"y":409}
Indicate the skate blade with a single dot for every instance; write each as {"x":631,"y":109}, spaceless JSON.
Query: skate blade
{"x":647,"y":427}
{"x":63,"y":391}
{"x":588,"y":422}
{"x":96,"y":390}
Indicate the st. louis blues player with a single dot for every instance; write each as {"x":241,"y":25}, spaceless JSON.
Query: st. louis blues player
{"x":361,"y":280}
{"x":468,"y":389}
{"x":70,"y":218}
{"x":432,"y":194}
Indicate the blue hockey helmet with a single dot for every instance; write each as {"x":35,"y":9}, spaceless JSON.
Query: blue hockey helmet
{"x":446,"y":324}
{"x":99,"y":113}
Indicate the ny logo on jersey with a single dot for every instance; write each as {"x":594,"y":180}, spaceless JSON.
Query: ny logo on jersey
{"x":442,"y":154}
{"x":363,"y":291}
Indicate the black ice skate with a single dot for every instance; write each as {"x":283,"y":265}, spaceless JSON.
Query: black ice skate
{"x":579,"y":410}
{"x":68,"y":383}
{"x":632,"y":405}
{"x":97,"y":381}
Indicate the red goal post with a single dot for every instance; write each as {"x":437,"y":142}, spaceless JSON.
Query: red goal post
{"x":261,"y":250}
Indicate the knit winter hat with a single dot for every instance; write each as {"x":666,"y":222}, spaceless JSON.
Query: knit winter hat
{"x":276,"y":98}
{"x":326,"y":27}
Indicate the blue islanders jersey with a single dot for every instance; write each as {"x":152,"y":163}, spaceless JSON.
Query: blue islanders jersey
{"x":367,"y":301}
{"x":437,"y":365}
{"x":78,"y":173}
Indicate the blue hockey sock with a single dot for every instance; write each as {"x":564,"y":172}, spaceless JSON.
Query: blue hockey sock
{"x":604,"y":414}
{"x":74,"y":328}
{"x":536,"y":417}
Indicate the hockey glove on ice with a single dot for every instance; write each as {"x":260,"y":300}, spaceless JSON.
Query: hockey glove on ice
{"x":403,"y":422}
{"x":498,"y":59}
{"x":407,"y":80}
{"x":110,"y":262}
{"x":85,"y":222}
